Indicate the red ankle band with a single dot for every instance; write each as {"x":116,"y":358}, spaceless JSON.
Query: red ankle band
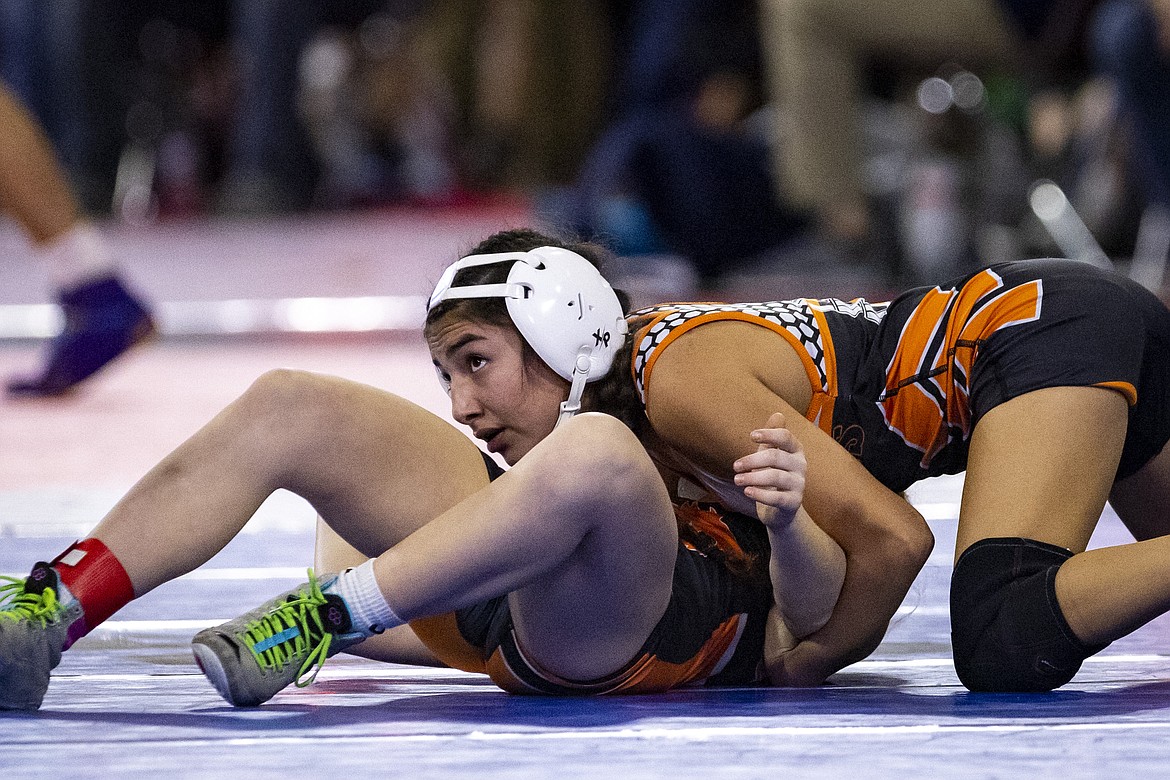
{"x":95,"y":578}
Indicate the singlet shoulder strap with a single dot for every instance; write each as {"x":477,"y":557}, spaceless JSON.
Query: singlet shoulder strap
{"x":801,"y":322}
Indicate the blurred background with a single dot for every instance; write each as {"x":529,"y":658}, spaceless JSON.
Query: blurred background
{"x":665,"y":130}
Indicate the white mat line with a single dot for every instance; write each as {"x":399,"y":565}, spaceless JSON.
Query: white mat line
{"x":249,"y":573}
{"x":885,"y":663}
{"x":361,"y":314}
{"x":367,"y":671}
{"x":196,"y":624}
{"x":300,"y":573}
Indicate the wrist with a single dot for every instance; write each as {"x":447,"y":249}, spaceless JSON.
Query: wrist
{"x":775,"y":518}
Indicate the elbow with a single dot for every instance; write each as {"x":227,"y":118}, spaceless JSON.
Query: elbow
{"x":802,"y":624}
{"x":908,"y":541}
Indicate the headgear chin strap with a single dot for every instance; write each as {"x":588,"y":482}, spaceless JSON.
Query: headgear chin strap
{"x":561,"y":305}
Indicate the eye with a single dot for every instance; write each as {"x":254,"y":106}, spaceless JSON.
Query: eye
{"x":476,"y":362}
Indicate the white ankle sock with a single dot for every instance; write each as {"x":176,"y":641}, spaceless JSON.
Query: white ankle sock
{"x":367,"y":606}
{"x":77,"y":256}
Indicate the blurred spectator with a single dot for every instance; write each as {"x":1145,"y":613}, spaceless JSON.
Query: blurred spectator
{"x":262,"y":106}
{"x":102,"y":318}
{"x":818,"y":53}
{"x":822,"y":55}
{"x":379,"y":114}
{"x":527,"y":80}
{"x":41,"y":61}
{"x":1131,"y":45}
{"x":682,"y":166}
{"x":269,"y":166}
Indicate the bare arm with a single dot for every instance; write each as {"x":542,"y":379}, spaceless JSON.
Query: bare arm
{"x":719,"y":381}
{"x":807,"y":567}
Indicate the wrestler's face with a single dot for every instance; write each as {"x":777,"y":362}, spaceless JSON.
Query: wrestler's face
{"x":507,"y":396}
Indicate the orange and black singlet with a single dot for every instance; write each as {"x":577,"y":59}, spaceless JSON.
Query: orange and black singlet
{"x":901,"y":385}
{"x":711,"y":634}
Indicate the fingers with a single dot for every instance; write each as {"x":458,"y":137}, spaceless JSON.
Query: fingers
{"x":777,"y":478}
{"x":776,"y":497}
{"x":774,"y":474}
{"x":770,"y":458}
{"x":773,"y":443}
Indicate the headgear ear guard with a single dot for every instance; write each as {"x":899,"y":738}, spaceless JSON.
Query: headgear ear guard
{"x":562,"y":306}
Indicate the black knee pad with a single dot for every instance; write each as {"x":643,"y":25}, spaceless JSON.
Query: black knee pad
{"x":1007,"y":630}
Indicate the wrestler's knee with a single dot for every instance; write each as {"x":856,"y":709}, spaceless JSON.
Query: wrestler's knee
{"x":1007,"y":629}
{"x":282,"y":388}
{"x":301,"y":401}
{"x":596,"y":457}
{"x":287,"y":414}
{"x":594,"y":440}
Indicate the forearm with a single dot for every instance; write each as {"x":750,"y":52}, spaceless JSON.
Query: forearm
{"x":807,"y":569}
{"x":877,"y":579}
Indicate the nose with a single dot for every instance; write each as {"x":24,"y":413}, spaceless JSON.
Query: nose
{"x":465,"y":406}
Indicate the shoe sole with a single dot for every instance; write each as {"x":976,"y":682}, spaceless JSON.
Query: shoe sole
{"x":209,"y":663}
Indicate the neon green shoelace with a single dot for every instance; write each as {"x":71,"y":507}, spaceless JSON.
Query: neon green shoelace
{"x":20,"y":605}
{"x":290,"y":631}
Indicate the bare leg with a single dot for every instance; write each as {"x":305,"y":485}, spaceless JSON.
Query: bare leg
{"x":580,"y":533}
{"x":1041,"y":467}
{"x":374,"y":465}
{"x":103,"y":318}
{"x":1142,"y":500}
{"x":814,"y":50}
{"x":398,"y":645}
{"x":33,"y":187}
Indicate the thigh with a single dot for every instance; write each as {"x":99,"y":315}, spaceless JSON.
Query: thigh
{"x":1040,"y":466}
{"x":589,"y":615}
{"x":379,"y":467}
{"x":1141,"y":499}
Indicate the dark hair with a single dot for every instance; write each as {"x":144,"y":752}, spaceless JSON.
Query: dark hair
{"x":614,"y":393}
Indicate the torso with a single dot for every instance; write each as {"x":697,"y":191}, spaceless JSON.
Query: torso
{"x":888,"y":381}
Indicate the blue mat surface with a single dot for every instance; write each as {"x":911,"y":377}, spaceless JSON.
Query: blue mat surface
{"x":128,"y":701}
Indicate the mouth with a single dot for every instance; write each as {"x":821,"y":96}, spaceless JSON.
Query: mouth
{"x":491,"y":437}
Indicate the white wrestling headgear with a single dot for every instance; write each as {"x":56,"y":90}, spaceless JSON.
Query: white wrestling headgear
{"x":562,"y":306}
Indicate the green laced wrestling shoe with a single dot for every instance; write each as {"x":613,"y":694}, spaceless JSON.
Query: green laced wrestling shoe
{"x":34,"y":628}
{"x":286,"y":640}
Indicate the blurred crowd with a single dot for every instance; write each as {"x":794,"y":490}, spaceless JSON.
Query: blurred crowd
{"x":902,"y":135}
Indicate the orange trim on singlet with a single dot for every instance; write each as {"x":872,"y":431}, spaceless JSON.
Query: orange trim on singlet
{"x":820,"y":408}
{"x":968,"y":329}
{"x":442,"y":637}
{"x":648,"y":674}
{"x":1125,"y":388}
{"x":909,"y":408}
{"x":710,"y":523}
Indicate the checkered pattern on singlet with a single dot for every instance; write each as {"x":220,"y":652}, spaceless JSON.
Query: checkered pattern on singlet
{"x":795,"y":316}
